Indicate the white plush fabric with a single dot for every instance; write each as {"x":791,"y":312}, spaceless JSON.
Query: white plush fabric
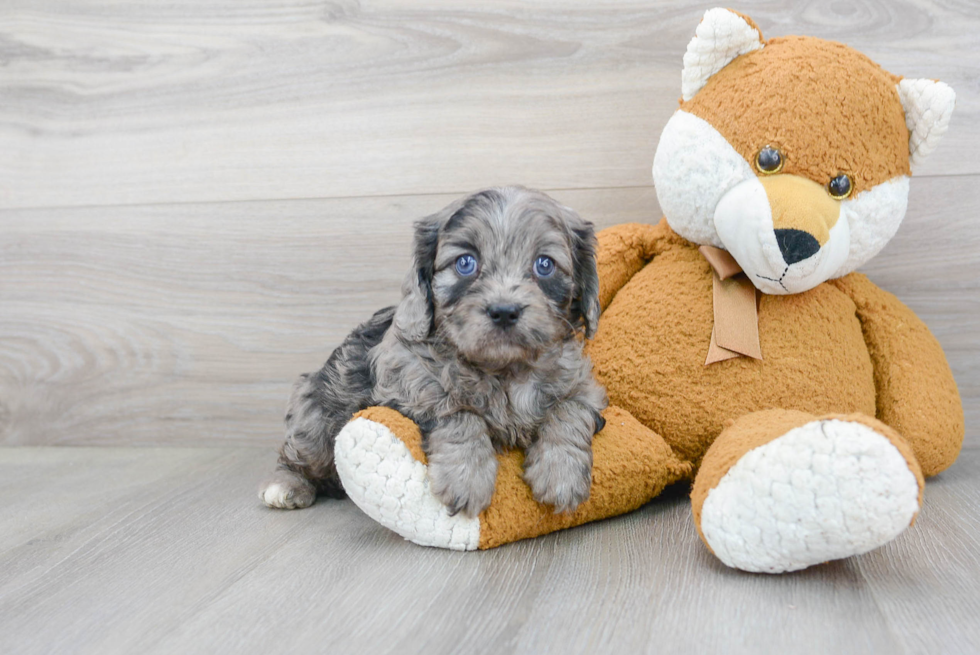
{"x":392,"y":487}
{"x":823,"y":491}
{"x":928,"y":107}
{"x":711,"y":195}
{"x":694,"y":166}
{"x":744,"y":224}
{"x":873,"y":217}
{"x":721,"y":37}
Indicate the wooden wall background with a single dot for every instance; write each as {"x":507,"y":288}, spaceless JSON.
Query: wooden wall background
{"x":199,"y":199}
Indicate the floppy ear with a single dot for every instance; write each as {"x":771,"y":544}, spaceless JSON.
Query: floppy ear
{"x":722,"y":36}
{"x":414,"y":315}
{"x":928,"y":106}
{"x":585,"y":302}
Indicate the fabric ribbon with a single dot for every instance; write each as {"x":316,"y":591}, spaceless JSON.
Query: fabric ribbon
{"x":736,"y":321}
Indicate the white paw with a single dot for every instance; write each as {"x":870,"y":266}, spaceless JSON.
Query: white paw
{"x":392,"y":487}
{"x":286,"y":490}
{"x":823,"y":491}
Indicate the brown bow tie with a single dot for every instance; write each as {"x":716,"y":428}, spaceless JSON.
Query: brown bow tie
{"x":736,"y":327}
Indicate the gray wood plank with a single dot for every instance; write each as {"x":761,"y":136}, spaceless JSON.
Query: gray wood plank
{"x":944,"y":573}
{"x":186,"y":324}
{"x":167,"y":550}
{"x":148,"y":102}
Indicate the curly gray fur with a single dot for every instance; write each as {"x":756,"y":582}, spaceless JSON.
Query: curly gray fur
{"x":473,"y":383}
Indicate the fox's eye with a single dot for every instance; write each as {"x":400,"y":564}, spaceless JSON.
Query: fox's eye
{"x":769,"y":161}
{"x":839,"y":187}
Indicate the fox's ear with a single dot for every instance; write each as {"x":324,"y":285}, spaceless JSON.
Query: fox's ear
{"x":722,"y":36}
{"x":928,"y":106}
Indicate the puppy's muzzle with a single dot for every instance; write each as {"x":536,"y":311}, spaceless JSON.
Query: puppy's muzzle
{"x":504,"y":316}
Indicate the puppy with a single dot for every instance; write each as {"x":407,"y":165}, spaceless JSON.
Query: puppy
{"x":483,"y":352}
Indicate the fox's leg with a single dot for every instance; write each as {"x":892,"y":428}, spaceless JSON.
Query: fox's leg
{"x":381,"y":463}
{"x":781,"y":490}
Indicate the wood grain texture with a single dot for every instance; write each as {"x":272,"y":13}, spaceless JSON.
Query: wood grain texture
{"x":186,"y":324}
{"x":148,"y":102}
{"x":199,"y":200}
{"x":168,"y":551}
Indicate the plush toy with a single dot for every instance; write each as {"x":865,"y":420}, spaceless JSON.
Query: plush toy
{"x":739,"y":349}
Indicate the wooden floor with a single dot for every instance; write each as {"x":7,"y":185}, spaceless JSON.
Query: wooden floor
{"x":199,"y":200}
{"x":166,"y":550}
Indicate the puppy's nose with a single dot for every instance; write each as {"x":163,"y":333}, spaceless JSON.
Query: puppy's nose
{"x":796,"y":245}
{"x":504,"y":315}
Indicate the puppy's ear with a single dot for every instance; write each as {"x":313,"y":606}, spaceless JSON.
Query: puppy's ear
{"x":414,"y":315}
{"x":585,"y":303}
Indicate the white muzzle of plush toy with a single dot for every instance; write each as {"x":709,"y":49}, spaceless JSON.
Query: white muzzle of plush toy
{"x":785,"y":232}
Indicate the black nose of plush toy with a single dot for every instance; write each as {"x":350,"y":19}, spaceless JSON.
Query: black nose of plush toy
{"x":796,"y":245}
{"x":504,"y":315}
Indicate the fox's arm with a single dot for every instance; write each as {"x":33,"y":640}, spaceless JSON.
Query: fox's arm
{"x":624,"y":250}
{"x":916,"y":392}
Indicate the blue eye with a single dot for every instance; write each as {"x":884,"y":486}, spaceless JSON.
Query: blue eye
{"x":544,"y":266}
{"x":466,"y":265}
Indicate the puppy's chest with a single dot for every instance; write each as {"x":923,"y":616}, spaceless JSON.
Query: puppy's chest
{"x":512,"y":409}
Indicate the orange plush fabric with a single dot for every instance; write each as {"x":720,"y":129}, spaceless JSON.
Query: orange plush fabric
{"x":844,"y":347}
{"x":652,"y":340}
{"x":916,"y":393}
{"x":755,"y":101}
{"x":631,"y":465}
{"x":623,"y":251}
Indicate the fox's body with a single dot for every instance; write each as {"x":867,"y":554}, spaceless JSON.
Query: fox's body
{"x":813,"y":362}
{"x":828,"y":350}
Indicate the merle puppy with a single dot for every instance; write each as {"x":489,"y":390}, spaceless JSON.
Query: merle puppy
{"x":483,"y":352}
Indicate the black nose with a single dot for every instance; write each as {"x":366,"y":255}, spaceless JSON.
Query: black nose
{"x":504,"y":315}
{"x":796,"y":245}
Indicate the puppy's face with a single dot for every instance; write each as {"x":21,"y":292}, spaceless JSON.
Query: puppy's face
{"x":505,"y":273}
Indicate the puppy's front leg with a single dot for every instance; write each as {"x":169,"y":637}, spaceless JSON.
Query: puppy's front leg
{"x":558,"y":465}
{"x":462,"y":463}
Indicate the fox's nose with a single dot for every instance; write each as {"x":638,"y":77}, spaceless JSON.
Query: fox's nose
{"x":504,"y":315}
{"x":796,"y":245}
{"x":803,"y":214}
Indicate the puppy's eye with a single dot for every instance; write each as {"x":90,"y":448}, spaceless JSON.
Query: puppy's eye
{"x":839,"y":187}
{"x":544,"y":266}
{"x":466,"y":265}
{"x":769,"y":161}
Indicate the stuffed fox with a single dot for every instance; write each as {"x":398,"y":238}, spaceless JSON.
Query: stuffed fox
{"x":738,"y":348}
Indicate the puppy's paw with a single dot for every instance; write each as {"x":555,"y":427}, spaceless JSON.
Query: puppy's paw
{"x":560,"y":477}
{"x":287,"y":490}
{"x":462,"y":488}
